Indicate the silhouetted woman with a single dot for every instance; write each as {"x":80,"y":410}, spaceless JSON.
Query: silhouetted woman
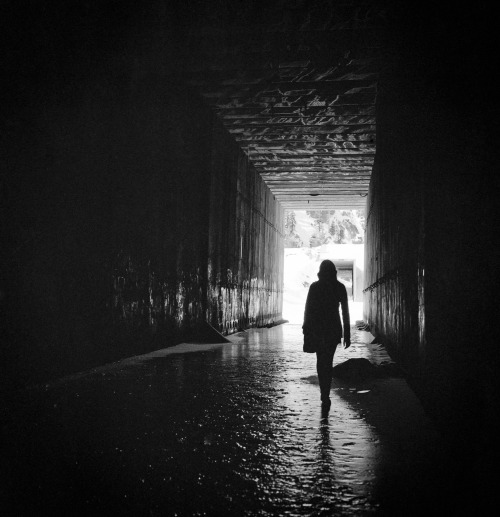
{"x":322,"y":320}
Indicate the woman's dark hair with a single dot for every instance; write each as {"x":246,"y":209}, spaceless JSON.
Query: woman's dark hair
{"x":327,"y":270}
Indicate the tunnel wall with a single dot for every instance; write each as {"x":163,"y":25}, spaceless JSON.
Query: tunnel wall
{"x":429,"y":256}
{"x":108,"y":246}
{"x":115,"y":172}
{"x":394,"y":261}
{"x":430,"y":263}
{"x":431,"y":259}
{"x":246,"y":243}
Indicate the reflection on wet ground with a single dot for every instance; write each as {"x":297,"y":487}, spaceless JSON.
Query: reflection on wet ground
{"x":232,"y":429}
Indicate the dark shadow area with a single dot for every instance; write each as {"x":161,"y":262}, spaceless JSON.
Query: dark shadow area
{"x":410,"y":474}
{"x":453,"y":472}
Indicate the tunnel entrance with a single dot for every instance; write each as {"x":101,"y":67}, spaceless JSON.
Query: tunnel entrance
{"x":313,"y":236}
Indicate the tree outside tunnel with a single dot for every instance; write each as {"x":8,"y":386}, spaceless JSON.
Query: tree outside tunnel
{"x":316,"y":227}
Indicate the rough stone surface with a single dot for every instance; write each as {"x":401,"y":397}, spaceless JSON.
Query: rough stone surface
{"x":295,"y":85}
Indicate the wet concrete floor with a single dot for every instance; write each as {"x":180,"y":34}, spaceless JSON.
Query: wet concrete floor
{"x":229,"y":429}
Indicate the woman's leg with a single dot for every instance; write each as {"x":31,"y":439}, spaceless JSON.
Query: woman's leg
{"x":324,"y":362}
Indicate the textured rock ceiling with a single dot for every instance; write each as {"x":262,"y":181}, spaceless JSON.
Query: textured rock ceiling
{"x":295,"y":83}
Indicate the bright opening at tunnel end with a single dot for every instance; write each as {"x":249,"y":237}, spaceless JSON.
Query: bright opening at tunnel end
{"x":313,"y":236}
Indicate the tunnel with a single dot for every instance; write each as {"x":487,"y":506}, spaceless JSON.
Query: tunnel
{"x":151,"y":150}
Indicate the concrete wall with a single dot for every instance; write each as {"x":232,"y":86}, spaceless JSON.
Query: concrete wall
{"x":431,"y":210}
{"x":431,"y":262}
{"x":394,"y":230}
{"x":431,"y":268}
{"x":246,"y":243}
{"x":114,"y":173}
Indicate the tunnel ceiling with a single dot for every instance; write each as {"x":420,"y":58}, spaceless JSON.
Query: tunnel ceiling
{"x":295,"y":83}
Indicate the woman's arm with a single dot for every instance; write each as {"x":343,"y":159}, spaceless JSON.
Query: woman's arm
{"x":346,"y":321}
